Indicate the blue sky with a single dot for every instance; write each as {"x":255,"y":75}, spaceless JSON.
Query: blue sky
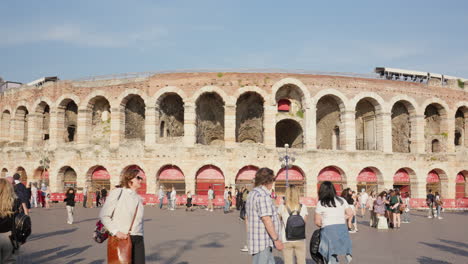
{"x":74,"y":39}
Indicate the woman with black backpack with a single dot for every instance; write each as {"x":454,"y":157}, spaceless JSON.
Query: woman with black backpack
{"x":8,"y":207}
{"x":293,"y":216}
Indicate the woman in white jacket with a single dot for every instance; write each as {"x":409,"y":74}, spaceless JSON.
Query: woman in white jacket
{"x":120,"y":210}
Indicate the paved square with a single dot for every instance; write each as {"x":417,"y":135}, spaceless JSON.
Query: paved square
{"x":180,"y":237}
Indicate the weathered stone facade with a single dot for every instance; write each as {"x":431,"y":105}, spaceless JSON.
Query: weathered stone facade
{"x":230,"y":120}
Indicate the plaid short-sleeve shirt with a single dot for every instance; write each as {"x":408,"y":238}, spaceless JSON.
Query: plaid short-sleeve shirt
{"x":259,"y":204}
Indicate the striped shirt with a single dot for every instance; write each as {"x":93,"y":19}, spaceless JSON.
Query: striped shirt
{"x":259,"y":204}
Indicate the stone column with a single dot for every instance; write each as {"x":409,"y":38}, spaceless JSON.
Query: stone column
{"x":465,"y":130}
{"x":150,"y":125}
{"x":117,"y":125}
{"x":310,"y":128}
{"x":418,"y":141}
{"x":229,"y":125}
{"x":384,"y":122}
{"x":53,"y":130}
{"x":450,"y":140}
{"x":34,"y":130}
{"x":349,"y":137}
{"x":189,"y":124}
{"x":84,"y":127}
{"x":269,"y":126}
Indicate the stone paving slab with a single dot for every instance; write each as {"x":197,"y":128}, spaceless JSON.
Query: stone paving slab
{"x":180,"y":237}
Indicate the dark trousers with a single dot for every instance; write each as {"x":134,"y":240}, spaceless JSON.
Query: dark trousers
{"x":138,"y":250}
{"x":98,"y":201}
{"x":85,"y":199}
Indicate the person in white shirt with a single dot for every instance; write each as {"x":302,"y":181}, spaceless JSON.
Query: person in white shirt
{"x":33,"y":195}
{"x":122,"y":214}
{"x":161,"y":196}
{"x":210,"y":199}
{"x":226,"y":200}
{"x":363,"y":200}
{"x":173,"y":198}
{"x":292,"y":206}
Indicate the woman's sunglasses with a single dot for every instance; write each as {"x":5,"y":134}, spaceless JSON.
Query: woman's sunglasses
{"x":139,"y":178}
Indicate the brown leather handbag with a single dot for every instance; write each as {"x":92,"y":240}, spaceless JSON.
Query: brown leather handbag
{"x":119,"y":251}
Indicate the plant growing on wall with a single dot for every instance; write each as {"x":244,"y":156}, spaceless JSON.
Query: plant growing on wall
{"x":300,"y":113}
{"x":461,"y":84}
{"x":220,"y":74}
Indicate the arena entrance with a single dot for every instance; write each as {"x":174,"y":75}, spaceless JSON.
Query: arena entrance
{"x":100,"y":178}
{"x":246,"y":177}
{"x":295,"y":177}
{"x":460,"y":186}
{"x":367,"y":180}
{"x":333,"y":175}
{"x":433,"y":182}
{"x":171,"y":176}
{"x":401,"y":181}
{"x":207,"y":176}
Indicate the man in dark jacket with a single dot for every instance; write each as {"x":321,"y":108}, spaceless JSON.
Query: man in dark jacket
{"x":21,"y":192}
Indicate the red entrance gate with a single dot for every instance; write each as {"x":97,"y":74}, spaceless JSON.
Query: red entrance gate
{"x":401,"y":180}
{"x":210,"y":176}
{"x":367,"y":180}
{"x":331,"y":174}
{"x":460,"y":186}
{"x":433,"y":182}
{"x":295,"y":177}
{"x":171,"y":176}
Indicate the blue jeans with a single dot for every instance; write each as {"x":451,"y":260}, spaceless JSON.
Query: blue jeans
{"x":264,"y":257}
{"x":406,"y":217}
{"x":438,"y":210}
{"x":226,"y":205}
{"x":161,"y":202}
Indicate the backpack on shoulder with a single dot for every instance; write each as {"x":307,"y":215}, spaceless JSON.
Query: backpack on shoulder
{"x":101,"y":233}
{"x":21,"y":228}
{"x":295,"y":226}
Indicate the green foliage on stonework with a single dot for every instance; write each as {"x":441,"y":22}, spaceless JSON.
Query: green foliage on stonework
{"x":444,"y":134}
{"x":220,"y":74}
{"x":300,"y":113}
{"x":461,"y":84}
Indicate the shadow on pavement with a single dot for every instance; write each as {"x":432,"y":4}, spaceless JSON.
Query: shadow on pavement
{"x":426,"y":260}
{"x":50,"y":234}
{"x":454,"y":243}
{"x":86,"y":220}
{"x":99,"y":261}
{"x":453,"y":250}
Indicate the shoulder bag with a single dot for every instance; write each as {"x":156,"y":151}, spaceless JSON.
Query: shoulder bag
{"x":101,"y":233}
{"x":119,"y":251}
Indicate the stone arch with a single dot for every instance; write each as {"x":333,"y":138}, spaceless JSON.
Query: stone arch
{"x":169,"y":176}
{"x":21,"y":121}
{"x":227,"y":100}
{"x":461,"y":126}
{"x":330,"y":108}
{"x":441,"y":185}
{"x":289,"y":132}
{"x":98,"y":177}
{"x":296,"y":176}
{"x":368,"y":118}
{"x":168,"y":90}
{"x":245,"y":177}
{"x":209,"y":175}
{"x":133,"y":115}
{"x":402,"y":114}
{"x":296,"y":99}
{"x":5,"y":125}
{"x":67,"y":119}
{"x":66,"y":178}
{"x":436,"y":124}
{"x":41,"y":175}
{"x":334,"y":174}
{"x":209,"y":121}
{"x":22,"y":172}
{"x":170,"y":115}
{"x":461,"y":185}
{"x":250,"y":113}
{"x":371,"y":179}
{"x":98,"y":118}
{"x":295,"y":82}
{"x":406,"y":181}
{"x":42,"y":113}
{"x":142,"y":189}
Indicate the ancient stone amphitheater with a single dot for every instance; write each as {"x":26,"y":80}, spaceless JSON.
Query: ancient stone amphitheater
{"x":194,"y":130}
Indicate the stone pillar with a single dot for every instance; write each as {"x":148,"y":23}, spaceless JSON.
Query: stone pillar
{"x":310,"y":128}
{"x":53,"y":130}
{"x":418,"y":141}
{"x":269,"y":126}
{"x":151,"y":182}
{"x":150,"y":125}
{"x":465,"y":131}
{"x":230,"y":125}
{"x":84,"y":127}
{"x":311,"y":187}
{"x":34,"y":130}
{"x":349,"y":137}
{"x":190,"y":128}
{"x":384,"y":124}
{"x":450,"y":140}
{"x":117,"y":125}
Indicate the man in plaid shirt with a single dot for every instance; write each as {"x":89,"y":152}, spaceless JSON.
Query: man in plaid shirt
{"x":263,"y":222}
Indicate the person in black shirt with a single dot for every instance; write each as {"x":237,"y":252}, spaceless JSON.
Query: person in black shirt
{"x":70,"y":202}
{"x":98,"y":197}
{"x":21,"y":192}
{"x":430,"y":204}
{"x":8,"y":207}
{"x":103,"y":195}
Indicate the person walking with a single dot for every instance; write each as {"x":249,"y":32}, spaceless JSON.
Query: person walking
{"x":330,"y":215}
{"x":189,"y":202}
{"x":430,"y":203}
{"x":238,"y":194}
{"x":438,"y":203}
{"x":395,"y":203}
{"x":161,"y":196}
{"x":70,"y":203}
{"x":370,"y":206}
{"x":98,"y":197}
{"x":173,"y":198}
{"x":9,"y":205}
{"x":226,"y":200}
{"x":21,"y":192}
{"x":292,"y":248}
{"x":47,"y":197}
{"x":122,"y":215}
{"x":230,"y":198}
{"x":85,"y":195}
{"x":363,"y":197}
{"x":263,"y":221}
{"x":103,"y":195}
{"x":33,"y":196}
{"x":43,"y":194}
{"x":406,"y":216}
{"x":347,"y":194}
{"x":380,"y":210}
{"x":210,"y":199}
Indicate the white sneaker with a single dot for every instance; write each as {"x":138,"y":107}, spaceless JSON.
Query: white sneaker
{"x":211,"y":210}
{"x":440,"y":217}
{"x":244,"y":249}
{"x":352,"y":231}
{"x":207,"y":209}
{"x":429,"y":216}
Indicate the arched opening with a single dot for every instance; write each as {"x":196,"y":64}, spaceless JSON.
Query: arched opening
{"x":171,"y":176}
{"x":367,"y":180}
{"x":43,"y":121}
{"x":67,"y":178}
{"x":334,"y":175}
{"x":41,"y":176}
{"x":289,"y":132}
{"x":461,"y":126}
{"x":435,"y":146}
{"x":21,"y":124}
{"x":328,"y":116}
{"x":5,"y":123}
{"x":401,"y":127}
{"x":289,"y":99}
{"x":246,"y":176}
{"x":171,"y":115}
{"x":368,"y":127}
{"x":295,"y":177}
{"x":433,"y":182}
{"x":435,"y":130}
{"x":100,"y":178}
{"x":4,"y":173}
{"x":207,"y":176}
{"x":68,"y":118}
{"x":249,"y":118}
{"x":23,"y":176}
{"x":210,"y":119}
{"x":461,"y":187}
{"x":284,"y":105}
{"x":402,"y":181}
{"x":100,"y":110}
{"x":142,"y":189}
{"x":134,"y":112}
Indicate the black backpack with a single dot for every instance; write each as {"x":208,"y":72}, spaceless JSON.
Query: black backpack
{"x":21,"y":228}
{"x":314,"y":247}
{"x":295,"y":226}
